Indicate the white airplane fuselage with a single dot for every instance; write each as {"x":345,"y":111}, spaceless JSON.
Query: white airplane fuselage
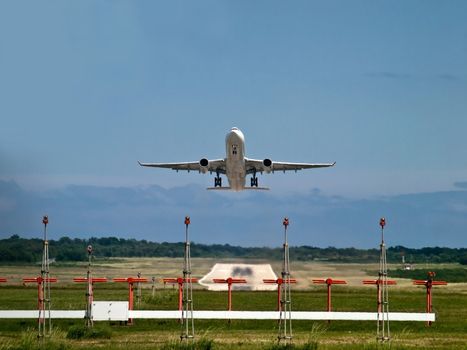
{"x":235,"y":159}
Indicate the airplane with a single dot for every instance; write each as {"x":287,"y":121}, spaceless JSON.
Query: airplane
{"x":236,"y":166}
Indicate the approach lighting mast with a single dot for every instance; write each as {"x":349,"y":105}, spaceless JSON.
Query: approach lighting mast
{"x":229,"y":281}
{"x":131,"y":281}
{"x":187,"y":322}
{"x":285,"y":312}
{"x":45,"y":321}
{"x":382,"y":325}
{"x":329,"y":282}
{"x":429,"y":283}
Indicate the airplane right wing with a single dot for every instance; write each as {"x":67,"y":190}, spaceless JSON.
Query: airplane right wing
{"x":267,"y":165}
{"x":203,"y":166}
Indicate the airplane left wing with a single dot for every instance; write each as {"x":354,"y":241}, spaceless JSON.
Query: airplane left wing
{"x":204,"y":165}
{"x":267,"y":165}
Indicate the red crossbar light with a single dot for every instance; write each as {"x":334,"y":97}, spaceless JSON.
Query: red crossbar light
{"x":93,"y":280}
{"x":429,"y":283}
{"x":329,"y":281}
{"x":180,"y":281}
{"x":433,"y":283}
{"x":279,"y":281}
{"x":130,"y":279}
{"x":388,"y":282}
{"x":229,"y":282}
{"x":2,"y":279}
{"x":39,"y":280}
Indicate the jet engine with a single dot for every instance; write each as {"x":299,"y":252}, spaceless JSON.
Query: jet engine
{"x":267,"y":163}
{"x":204,"y":165}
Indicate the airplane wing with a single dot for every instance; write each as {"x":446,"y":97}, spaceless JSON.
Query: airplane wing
{"x":217,"y":165}
{"x":256,"y":165}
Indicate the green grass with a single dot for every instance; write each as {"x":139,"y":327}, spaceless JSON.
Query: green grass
{"x":448,"y":332}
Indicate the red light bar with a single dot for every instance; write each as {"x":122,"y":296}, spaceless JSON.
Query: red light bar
{"x":179,"y":280}
{"x":130,"y":279}
{"x":39,"y":280}
{"x":388,"y":282}
{"x":229,"y":280}
{"x":2,"y":279}
{"x":279,"y":281}
{"x":434,"y":283}
{"x":328,"y":281}
{"x":93,"y":280}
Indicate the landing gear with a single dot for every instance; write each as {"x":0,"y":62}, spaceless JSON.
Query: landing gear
{"x":217,"y":181}
{"x":254,"y":180}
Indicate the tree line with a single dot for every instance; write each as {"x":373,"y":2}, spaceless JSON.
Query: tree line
{"x":22,"y":250}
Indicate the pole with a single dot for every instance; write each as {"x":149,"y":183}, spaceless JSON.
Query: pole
{"x":429,"y":283}
{"x":279,"y":288}
{"x":44,"y":322}
{"x":138,"y":290}
{"x":382,"y":325}
{"x":89,"y":292}
{"x":187,"y":324}
{"x":180,"y":293}
{"x":130,"y":299}
{"x":285,"y":312}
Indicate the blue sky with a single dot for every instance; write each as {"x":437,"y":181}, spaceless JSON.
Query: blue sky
{"x":88,"y":88}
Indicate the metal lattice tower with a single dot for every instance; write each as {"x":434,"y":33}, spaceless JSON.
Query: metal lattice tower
{"x":89,"y":291}
{"x":44,"y":321}
{"x":285,"y":311}
{"x":187,"y":323}
{"x":382,"y":325}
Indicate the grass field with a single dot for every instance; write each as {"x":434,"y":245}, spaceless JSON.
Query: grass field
{"x":448,"y":332}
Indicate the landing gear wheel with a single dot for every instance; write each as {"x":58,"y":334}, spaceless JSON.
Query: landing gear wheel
{"x":254,"y":182}
{"x":218,"y":181}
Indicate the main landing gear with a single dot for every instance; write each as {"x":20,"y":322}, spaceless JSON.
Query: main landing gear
{"x":218,"y":181}
{"x":254,"y":180}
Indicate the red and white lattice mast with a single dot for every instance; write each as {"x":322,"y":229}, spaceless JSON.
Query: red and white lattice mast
{"x":382,"y":325}
{"x":89,"y":280}
{"x":45,"y":321}
{"x":285,"y":312}
{"x":187,"y":322}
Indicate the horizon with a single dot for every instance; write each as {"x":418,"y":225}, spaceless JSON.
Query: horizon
{"x":226,"y":244}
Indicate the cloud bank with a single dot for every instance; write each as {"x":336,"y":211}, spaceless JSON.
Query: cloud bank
{"x":246,"y":219}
